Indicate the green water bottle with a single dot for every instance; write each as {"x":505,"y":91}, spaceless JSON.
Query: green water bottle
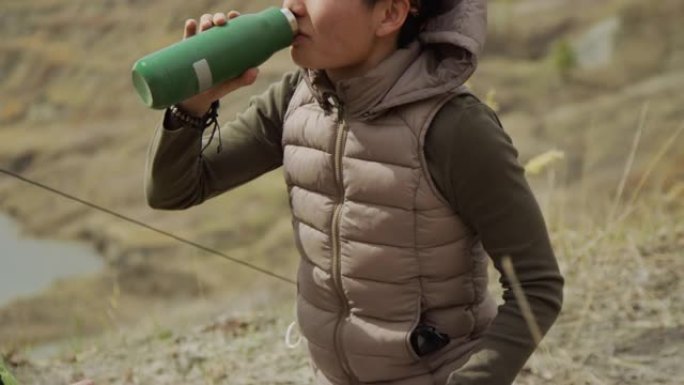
{"x":6,"y":377}
{"x":194,"y":65}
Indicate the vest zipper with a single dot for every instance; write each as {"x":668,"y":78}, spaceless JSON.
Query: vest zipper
{"x":335,"y":233}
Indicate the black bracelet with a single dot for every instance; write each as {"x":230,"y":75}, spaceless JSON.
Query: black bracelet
{"x":183,"y":117}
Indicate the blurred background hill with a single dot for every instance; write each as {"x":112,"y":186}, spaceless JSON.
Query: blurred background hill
{"x":598,"y":82}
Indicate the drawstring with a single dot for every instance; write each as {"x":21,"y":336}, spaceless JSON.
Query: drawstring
{"x":218,"y":148}
{"x":212,"y":118}
{"x":288,"y":336}
{"x":290,"y":329}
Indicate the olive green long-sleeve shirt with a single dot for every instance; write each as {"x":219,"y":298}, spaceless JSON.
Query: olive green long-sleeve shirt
{"x":474,"y":165}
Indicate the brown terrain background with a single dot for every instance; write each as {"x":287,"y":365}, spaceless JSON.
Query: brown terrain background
{"x":594,"y":87}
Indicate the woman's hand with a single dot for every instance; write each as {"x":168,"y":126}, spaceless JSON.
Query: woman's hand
{"x":199,"y":104}
{"x":84,"y":382}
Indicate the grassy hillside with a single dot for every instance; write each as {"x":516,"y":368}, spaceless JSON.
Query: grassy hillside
{"x":69,"y":118}
{"x":621,"y":323}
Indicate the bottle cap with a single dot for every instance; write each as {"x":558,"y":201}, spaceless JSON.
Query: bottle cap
{"x":291,"y":19}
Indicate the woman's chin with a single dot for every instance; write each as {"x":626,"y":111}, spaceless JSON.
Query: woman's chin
{"x":302,"y":60}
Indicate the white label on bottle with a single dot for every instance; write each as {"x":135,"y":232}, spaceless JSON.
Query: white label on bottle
{"x":203,"y":73}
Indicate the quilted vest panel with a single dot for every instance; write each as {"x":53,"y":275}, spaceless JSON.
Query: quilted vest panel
{"x":380,"y":249}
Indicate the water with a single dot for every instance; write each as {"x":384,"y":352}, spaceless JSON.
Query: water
{"x":30,"y":265}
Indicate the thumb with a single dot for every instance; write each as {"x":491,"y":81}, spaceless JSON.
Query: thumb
{"x":248,"y":77}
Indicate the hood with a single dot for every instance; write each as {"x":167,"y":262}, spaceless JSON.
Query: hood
{"x":443,"y":57}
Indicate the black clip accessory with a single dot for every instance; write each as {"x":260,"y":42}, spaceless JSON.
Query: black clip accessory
{"x":425,"y":340}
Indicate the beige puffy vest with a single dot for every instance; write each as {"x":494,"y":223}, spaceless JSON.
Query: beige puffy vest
{"x":381,"y":249}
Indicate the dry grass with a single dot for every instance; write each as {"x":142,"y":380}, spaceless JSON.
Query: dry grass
{"x":621,"y":322}
{"x":621,"y":305}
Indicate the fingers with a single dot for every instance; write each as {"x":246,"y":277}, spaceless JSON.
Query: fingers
{"x":207,"y":21}
{"x":219,"y":19}
{"x":190,"y":28}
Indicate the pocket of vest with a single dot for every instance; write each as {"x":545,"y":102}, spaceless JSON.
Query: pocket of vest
{"x":426,"y":339}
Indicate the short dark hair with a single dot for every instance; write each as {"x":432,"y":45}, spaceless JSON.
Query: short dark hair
{"x":414,"y":22}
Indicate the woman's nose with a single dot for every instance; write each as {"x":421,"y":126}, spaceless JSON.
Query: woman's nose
{"x":296,"y":6}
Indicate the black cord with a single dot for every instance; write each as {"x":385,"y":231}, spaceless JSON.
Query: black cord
{"x":211,"y":118}
{"x":139,"y":223}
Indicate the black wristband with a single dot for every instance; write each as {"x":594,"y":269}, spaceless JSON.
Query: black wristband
{"x":184,"y":118}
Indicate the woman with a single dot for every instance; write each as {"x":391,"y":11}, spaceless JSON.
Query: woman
{"x":402,"y":186}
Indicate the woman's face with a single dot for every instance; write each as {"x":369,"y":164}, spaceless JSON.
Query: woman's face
{"x":334,"y":34}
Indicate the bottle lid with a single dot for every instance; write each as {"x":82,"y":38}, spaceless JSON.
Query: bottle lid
{"x":291,"y":19}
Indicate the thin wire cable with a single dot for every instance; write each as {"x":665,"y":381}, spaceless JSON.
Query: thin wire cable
{"x":139,"y":223}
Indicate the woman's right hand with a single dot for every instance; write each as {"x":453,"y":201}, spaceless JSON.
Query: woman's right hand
{"x":199,"y":104}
